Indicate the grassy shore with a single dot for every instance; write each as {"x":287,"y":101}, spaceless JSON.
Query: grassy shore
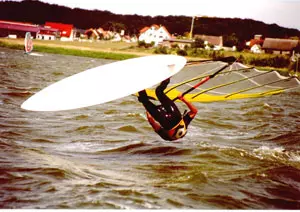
{"x":105,"y":50}
{"x":123,"y":50}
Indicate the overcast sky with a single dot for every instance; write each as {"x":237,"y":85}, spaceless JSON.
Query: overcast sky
{"x":285,"y":13}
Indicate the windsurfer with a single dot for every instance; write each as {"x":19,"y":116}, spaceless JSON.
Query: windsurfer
{"x":166,"y":119}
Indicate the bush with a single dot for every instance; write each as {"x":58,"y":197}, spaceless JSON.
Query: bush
{"x":278,"y":61}
{"x":199,"y":43}
{"x":174,"y":46}
{"x":181,"y":52}
{"x":141,"y":43}
{"x":144,"y":44}
{"x":216,"y":55}
{"x":161,"y":50}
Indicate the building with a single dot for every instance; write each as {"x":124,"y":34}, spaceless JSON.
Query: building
{"x":65,"y":31}
{"x":280,"y":46}
{"x":155,"y":34}
{"x":50,"y":31}
{"x":47,"y":33}
{"x":216,"y":41}
{"x":95,"y":34}
{"x":17,"y":29}
{"x":256,"y":44}
{"x":256,"y":48}
{"x":179,"y":42}
{"x":99,"y":34}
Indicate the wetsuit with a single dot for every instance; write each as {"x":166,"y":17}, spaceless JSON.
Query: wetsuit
{"x":167,"y":114}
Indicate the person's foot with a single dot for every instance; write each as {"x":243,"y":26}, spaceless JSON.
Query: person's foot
{"x":142,"y":96}
{"x":166,"y":81}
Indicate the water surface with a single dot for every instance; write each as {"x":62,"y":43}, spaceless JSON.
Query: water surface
{"x":241,"y":154}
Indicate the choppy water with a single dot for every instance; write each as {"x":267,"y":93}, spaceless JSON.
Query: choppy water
{"x":237,"y":155}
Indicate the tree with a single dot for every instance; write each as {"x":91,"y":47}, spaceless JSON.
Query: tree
{"x":199,"y":43}
{"x":242,"y":29}
{"x":231,"y":40}
{"x":114,"y":26}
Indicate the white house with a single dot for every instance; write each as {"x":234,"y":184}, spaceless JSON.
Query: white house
{"x":256,"y":48}
{"x":154,"y":34}
{"x":117,"y":37}
{"x":47,"y":33}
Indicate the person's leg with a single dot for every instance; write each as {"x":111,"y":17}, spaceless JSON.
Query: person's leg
{"x":143,"y":97}
{"x":167,"y":103}
{"x":149,"y":106}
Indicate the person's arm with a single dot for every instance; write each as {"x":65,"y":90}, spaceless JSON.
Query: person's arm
{"x":193,"y":109}
{"x":156,"y":126}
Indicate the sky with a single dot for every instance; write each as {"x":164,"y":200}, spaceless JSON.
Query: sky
{"x":285,"y":13}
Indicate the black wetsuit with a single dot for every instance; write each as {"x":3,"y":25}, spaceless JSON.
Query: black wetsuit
{"x":167,"y":114}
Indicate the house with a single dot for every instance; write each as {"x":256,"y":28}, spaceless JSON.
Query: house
{"x":17,"y":29}
{"x":281,"y":46}
{"x":256,"y":48}
{"x":47,"y":33}
{"x":65,"y":31}
{"x":256,"y":44}
{"x":253,"y":42}
{"x":154,"y":33}
{"x":216,"y":41}
{"x":181,"y":43}
{"x":93,"y":33}
{"x":99,"y":34}
{"x":80,"y":34}
{"x":117,"y":37}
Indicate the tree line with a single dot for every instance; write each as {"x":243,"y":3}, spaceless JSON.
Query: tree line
{"x":230,"y":28}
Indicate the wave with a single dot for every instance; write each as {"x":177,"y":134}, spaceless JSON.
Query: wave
{"x":281,"y":188}
{"x":19,"y":94}
{"x":41,"y":140}
{"x":148,"y":149}
{"x":288,"y":139}
{"x":87,"y":129}
{"x":128,"y":128}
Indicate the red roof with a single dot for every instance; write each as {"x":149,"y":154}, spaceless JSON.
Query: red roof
{"x":144,"y":29}
{"x":65,"y":29}
{"x":48,"y":31}
{"x":156,"y":27}
{"x":11,"y":25}
{"x":256,"y":41}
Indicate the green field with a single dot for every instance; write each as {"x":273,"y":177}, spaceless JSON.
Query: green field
{"x":96,"y":49}
{"x":123,"y":50}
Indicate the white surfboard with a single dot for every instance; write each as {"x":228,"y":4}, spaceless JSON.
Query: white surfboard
{"x":105,"y":83}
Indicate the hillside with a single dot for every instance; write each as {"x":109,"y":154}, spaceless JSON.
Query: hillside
{"x":38,"y":12}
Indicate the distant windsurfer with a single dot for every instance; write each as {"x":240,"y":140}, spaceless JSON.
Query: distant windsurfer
{"x":28,"y":43}
{"x":166,"y":119}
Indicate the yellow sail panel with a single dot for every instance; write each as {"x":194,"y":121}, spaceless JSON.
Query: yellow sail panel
{"x":212,"y":98}
{"x":236,"y":82}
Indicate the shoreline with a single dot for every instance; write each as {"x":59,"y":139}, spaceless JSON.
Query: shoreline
{"x":99,"y":49}
{"x":84,"y":49}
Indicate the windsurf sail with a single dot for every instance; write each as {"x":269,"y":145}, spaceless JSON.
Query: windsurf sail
{"x":235,"y":81}
{"x":28,"y":43}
